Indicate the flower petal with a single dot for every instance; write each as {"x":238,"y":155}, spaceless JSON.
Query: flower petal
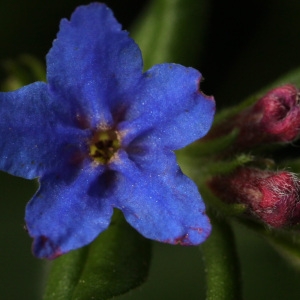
{"x":35,"y":131}
{"x":160,"y":201}
{"x":93,"y":62}
{"x":169,"y":108}
{"x":66,"y":213}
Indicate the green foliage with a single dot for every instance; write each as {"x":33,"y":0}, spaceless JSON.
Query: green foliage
{"x":117,"y":261}
{"x":172,"y":31}
{"x":25,"y":70}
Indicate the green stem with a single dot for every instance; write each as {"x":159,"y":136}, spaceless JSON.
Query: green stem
{"x":221,"y":263}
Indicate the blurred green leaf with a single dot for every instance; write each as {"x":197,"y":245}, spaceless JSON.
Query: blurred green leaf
{"x":172,"y":31}
{"x":117,"y":261}
{"x":285,"y":241}
{"x":22,"y":71}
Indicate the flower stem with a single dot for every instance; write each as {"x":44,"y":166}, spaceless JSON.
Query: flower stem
{"x":221,"y":263}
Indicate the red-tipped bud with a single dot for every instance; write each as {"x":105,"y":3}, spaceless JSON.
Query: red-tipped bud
{"x":273,"y":118}
{"x":273,"y":197}
{"x":280,"y":114}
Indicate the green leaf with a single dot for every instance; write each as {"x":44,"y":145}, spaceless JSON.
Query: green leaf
{"x":285,"y":241}
{"x":172,"y":31}
{"x":288,"y":245}
{"x":117,"y":261}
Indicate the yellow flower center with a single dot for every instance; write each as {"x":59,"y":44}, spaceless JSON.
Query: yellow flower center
{"x":104,"y":145}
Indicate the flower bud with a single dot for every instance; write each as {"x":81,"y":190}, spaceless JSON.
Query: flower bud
{"x":280,"y":114}
{"x":272,"y":197}
{"x":273,"y":118}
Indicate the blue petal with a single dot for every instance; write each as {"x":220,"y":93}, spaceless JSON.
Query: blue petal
{"x":66,"y":213}
{"x":37,"y":132}
{"x":93,"y":62}
{"x":168,"y":107}
{"x":159,"y":200}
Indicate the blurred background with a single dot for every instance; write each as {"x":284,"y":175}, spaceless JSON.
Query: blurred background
{"x":247,"y":45}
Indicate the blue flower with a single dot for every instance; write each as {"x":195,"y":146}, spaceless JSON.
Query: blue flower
{"x":100,"y":135}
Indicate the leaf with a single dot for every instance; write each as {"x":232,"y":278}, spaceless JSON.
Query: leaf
{"x":172,"y":31}
{"x":285,"y":241}
{"x":288,"y":245}
{"x":117,"y":261}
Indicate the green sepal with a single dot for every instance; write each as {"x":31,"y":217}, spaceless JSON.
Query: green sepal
{"x":116,"y":262}
{"x":172,"y":31}
{"x":217,"y":205}
{"x":200,"y":170}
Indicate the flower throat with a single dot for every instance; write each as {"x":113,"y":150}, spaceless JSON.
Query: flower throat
{"x":104,"y":145}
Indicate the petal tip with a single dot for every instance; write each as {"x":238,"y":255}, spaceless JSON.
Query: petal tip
{"x":194,"y":237}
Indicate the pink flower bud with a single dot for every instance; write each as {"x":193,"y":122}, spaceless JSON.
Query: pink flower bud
{"x":272,"y":197}
{"x":273,"y":118}
{"x":280,"y":114}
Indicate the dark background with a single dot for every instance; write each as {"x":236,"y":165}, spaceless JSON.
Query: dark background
{"x":248,"y":45}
